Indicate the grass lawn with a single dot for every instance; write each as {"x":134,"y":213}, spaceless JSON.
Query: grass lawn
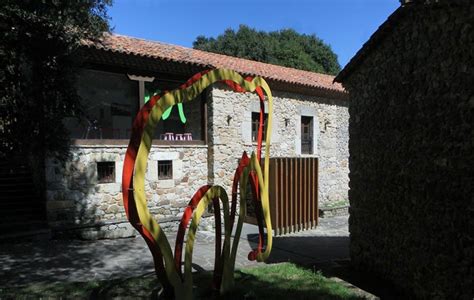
{"x":340,"y":203}
{"x":279,"y":281}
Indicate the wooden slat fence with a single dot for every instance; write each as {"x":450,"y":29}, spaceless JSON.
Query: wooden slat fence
{"x":293,"y":194}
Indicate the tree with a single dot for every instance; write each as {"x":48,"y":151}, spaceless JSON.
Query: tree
{"x":285,"y":48}
{"x":38,"y":73}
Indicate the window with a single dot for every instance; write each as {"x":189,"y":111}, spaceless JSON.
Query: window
{"x":165,"y":169}
{"x":106,"y":171}
{"x":110,"y":104}
{"x":255,"y":124}
{"x":306,"y":135}
{"x":112,"y":100}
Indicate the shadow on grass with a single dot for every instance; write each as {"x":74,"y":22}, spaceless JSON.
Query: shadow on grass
{"x":330,"y":256}
{"x":286,"y":281}
{"x":279,"y":281}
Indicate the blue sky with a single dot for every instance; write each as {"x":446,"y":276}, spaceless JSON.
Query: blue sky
{"x":343,"y":24}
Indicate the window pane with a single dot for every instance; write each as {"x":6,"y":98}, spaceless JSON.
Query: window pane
{"x":165,"y":169}
{"x":255,"y":125}
{"x":110,"y":102}
{"x":106,"y":171}
{"x":306,"y":135}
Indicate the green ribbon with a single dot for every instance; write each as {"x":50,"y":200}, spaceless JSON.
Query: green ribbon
{"x":167,"y":112}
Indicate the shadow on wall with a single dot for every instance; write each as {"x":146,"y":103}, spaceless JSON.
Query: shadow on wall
{"x":82,"y":200}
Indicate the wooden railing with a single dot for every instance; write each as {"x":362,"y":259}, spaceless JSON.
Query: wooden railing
{"x":293,"y":194}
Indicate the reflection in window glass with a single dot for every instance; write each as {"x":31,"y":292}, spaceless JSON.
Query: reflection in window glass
{"x":110,"y":102}
{"x":255,"y":125}
{"x":306,"y":135}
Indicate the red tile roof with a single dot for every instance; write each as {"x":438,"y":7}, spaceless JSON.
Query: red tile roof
{"x":158,"y":50}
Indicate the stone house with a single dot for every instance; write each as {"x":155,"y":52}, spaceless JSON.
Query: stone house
{"x":120,"y":72}
{"x":411,"y":150}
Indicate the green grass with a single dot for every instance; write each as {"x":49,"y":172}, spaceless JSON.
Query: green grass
{"x":339,"y":203}
{"x":286,"y":281}
{"x":280,"y":281}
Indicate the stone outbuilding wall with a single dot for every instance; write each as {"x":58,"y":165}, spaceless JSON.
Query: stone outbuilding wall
{"x":411,"y":151}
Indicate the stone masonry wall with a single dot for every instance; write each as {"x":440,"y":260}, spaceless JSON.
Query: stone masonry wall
{"x":77,"y":203}
{"x":230,"y":135}
{"x":411,"y":153}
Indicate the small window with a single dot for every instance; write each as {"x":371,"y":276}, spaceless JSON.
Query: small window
{"x":306,"y":135}
{"x":165,"y":169}
{"x":255,"y":124}
{"x":106,"y":171}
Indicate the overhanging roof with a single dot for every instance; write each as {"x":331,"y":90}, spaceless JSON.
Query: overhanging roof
{"x":158,"y":53}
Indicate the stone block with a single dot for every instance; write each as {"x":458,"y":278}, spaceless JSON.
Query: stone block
{"x":109,"y":188}
{"x":166,"y":184}
{"x":152,"y":171}
{"x":164,"y":156}
{"x":118,"y":171}
{"x":112,"y":208}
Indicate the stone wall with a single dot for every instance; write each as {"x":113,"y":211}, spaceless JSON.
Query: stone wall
{"x":77,"y":203}
{"x":411,"y":153}
{"x":230,"y":135}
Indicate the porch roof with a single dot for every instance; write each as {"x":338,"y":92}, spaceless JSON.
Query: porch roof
{"x":286,"y":78}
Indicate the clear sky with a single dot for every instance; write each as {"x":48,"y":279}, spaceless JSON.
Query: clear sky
{"x":343,"y":24}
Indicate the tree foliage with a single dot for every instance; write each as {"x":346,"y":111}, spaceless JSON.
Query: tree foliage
{"x":285,"y":48}
{"x":38,"y":71}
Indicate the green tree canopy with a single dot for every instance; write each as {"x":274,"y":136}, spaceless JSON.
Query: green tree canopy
{"x":38,"y":71}
{"x":285,"y":48}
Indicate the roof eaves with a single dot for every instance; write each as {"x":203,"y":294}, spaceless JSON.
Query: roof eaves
{"x":204,"y":59}
{"x":151,"y":56}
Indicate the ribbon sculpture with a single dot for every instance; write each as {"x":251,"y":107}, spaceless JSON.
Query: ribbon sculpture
{"x":167,"y":112}
{"x":168,"y":267}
